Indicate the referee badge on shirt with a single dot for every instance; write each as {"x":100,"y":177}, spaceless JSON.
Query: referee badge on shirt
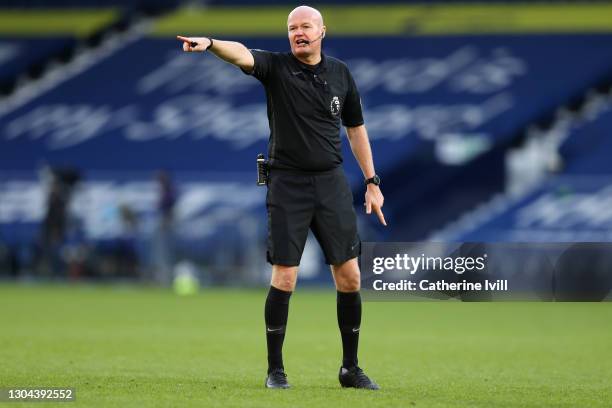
{"x":335,"y":106}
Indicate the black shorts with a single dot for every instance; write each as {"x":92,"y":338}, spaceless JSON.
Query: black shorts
{"x":323,"y":202}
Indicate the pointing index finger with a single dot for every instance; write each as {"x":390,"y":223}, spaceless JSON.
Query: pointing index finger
{"x":185,"y":39}
{"x":381,"y":216}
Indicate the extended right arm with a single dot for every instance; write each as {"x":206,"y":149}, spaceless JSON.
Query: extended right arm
{"x":229,"y":51}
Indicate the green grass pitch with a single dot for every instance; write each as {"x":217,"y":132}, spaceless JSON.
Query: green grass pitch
{"x":131,"y":346}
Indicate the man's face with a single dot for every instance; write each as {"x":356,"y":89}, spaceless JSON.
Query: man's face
{"x":303,"y":28}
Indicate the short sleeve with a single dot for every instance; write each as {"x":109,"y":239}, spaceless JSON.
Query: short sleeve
{"x":352,"y":114}
{"x":262,"y":69}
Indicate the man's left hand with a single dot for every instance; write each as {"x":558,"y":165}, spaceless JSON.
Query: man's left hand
{"x":375,"y":200}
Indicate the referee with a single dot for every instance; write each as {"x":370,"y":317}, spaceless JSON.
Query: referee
{"x":309,"y":96}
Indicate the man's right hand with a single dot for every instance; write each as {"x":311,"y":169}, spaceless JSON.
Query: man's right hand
{"x":202,"y":43}
{"x":229,"y":51}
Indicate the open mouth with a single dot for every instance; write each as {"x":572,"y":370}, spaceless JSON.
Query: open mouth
{"x":302,"y":42}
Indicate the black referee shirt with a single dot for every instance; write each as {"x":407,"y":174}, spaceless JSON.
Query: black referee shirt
{"x":305,"y":106}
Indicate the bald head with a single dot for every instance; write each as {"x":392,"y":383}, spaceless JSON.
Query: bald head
{"x":306,"y":13}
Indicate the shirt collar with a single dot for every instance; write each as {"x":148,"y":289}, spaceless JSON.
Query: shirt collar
{"x":321,"y":67}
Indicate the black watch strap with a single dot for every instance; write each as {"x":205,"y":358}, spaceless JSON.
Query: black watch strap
{"x":373,"y":180}
{"x":211,"y":43}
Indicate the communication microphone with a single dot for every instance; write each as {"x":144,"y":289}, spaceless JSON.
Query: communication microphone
{"x":316,"y":39}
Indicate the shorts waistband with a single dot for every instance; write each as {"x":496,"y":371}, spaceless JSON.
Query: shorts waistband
{"x":306,"y":172}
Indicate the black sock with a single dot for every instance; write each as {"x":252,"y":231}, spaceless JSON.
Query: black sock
{"x":276,"y":312}
{"x":349,"y":320}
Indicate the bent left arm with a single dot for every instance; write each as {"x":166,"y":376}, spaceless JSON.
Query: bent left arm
{"x":360,"y":145}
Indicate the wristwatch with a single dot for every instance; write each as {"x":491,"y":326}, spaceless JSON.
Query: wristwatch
{"x":374,"y":180}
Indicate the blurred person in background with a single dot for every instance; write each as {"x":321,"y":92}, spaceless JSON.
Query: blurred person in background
{"x":163,"y":241}
{"x":8,"y":261}
{"x":129,"y":245}
{"x":60,"y":185}
{"x":310,"y":95}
